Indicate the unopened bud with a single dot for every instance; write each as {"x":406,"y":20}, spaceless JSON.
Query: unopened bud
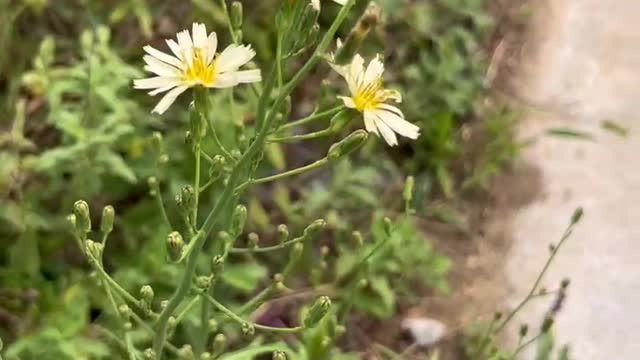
{"x":219,"y":343}
{"x":357,"y":238}
{"x":124,"y":311}
{"x":238,"y":220}
{"x":206,"y":356}
{"x":186,"y":352}
{"x":319,"y":309}
{"x":83,"y":218}
{"x":153,"y":185}
{"x":565,"y":283}
{"x":253,"y":240}
{"x":187,"y":197}
{"x":314,"y":228}
{"x":236,"y":15}
{"x":156,"y":142}
{"x":279,"y":355}
{"x":203,"y":282}
{"x":524,"y":329}
{"x":149,"y":354}
{"x":547,"y":323}
{"x":172,"y":322}
{"x":248,"y":329}
{"x":71,"y":219}
{"x":94,"y":249}
{"x":217,"y":263}
{"x":212,"y":325}
{"x":497,"y":315}
{"x":175,"y":245}
{"x":146,"y":293}
{"x":347,"y":145}
{"x":283,"y":233}
{"x":163,"y":304}
{"x":388,"y":226}
{"x":217,"y":165}
{"x":577,"y":215}
{"x":407,"y":193}
{"x":106,"y":223}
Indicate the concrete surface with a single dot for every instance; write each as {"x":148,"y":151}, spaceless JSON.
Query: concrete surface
{"x":584,"y":68}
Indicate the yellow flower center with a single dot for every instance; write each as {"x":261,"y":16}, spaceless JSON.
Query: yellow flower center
{"x":367,"y":97}
{"x":200,"y":71}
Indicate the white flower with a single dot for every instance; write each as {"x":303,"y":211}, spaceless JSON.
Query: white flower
{"x":316,"y":3}
{"x":368,"y":96}
{"x":195,"y":62}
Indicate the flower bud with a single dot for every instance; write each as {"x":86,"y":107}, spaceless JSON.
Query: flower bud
{"x":347,"y":145}
{"x":357,"y":238}
{"x":407,"y":193}
{"x":172,"y":322}
{"x":388,"y":226}
{"x":156,"y":143}
{"x":175,"y":245}
{"x":238,"y":220}
{"x":212,"y":325}
{"x":577,"y":215}
{"x":565,"y":283}
{"x":319,"y":309}
{"x":203,"y":282}
{"x":94,"y":249}
{"x":71,"y":219}
{"x":124,"y":311}
{"x":106,"y":223}
{"x":279,"y":355}
{"x":217,"y":165}
{"x":206,"y":356}
{"x":146,"y":293}
{"x":236,"y":15}
{"x":253,"y":239}
{"x":217,"y":263}
{"x":283,"y":233}
{"x":248,"y":329}
{"x":149,"y":354}
{"x":546,"y":324}
{"x":186,"y":352}
{"x":339,"y":120}
{"x":524,"y":329}
{"x":163,"y":304}
{"x":314,"y":228}
{"x":219,"y":343}
{"x":153,"y":186}
{"x":83,"y":217}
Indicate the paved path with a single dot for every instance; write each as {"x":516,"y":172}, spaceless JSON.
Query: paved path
{"x":587,"y":69}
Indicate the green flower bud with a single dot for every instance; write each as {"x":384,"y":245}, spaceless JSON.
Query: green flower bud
{"x":217,"y":263}
{"x":203,"y":282}
{"x":94,"y":249}
{"x":163,"y":304}
{"x":314,"y":228}
{"x":212,"y":325}
{"x":388,"y":226}
{"x":339,"y":120}
{"x":357,"y":238}
{"x":153,"y":186}
{"x":83,"y":217}
{"x":318,"y":311}
{"x":217,"y":165}
{"x":577,"y":216}
{"x":248,"y":329}
{"x":106,"y":223}
{"x":163,"y":159}
{"x":236,"y":15}
{"x":186,"y":352}
{"x":547,"y":323}
{"x":206,"y":356}
{"x":128,"y":325}
{"x":146,"y":293}
{"x":524,"y":329}
{"x":157,"y":143}
{"x":565,"y":283}
{"x":149,"y":354}
{"x":407,"y":193}
{"x":175,"y":245}
{"x":279,"y":355}
{"x":71,"y":219}
{"x":187,"y":195}
{"x":238,"y":220}
{"x":124,"y":311}
{"x":347,"y":145}
{"x":283,"y":233}
{"x":253,"y":240}
{"x":188,"y":139}
{"x":497,"y":316}
{"x":219,"y":343}
{"x":172,"y":322}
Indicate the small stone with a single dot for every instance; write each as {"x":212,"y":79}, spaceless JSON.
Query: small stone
{"x":424,"y":331}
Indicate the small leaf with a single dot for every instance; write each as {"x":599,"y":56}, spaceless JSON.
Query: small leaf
{"x":378,"y":298}
{"x":615,"y":128}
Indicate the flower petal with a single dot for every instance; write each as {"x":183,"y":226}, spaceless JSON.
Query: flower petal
{"x":168,"y":99}
{"x":175,"y":49}
{"x":186,"y":45}
{"x":397,"y":124}
{"x":155,"y":82}
{"x":348,"y":102}
{"x":233,"y":78}
{"x":171,"y":60}
{"x":199,"y":32}
{"x":233,"y":57}
{"x":386,"y":132}
{"x":370,"y":122}
{"x":161,"y":90}
{"x":355,"y":74}
{"x":374,"y":71}
{"x":160,"y":68}
{"x":212,"y":46}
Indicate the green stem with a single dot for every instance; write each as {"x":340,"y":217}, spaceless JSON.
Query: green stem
{"x":196,"y":185}
{"x":223,"y":4}
{"x":525,"y":344}
{"x":160,"y":202}
{"x":186,"y":309}
{"x":279,"y":59}
{"x":109,"y":280}
{"x":267,"y":248}
{"x":285,"y":174}
{"x":218,"y":143}
{"x":294,"y":138}
{"x":251,"y":305}
{"x":235,"y":317}
{"x":312,"y":117}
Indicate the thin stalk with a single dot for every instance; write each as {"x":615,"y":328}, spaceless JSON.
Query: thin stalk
{"x":196,"y":185}
{"x":260,"y":297}
{"x":296,"y":171}
{"x":267,"y":248}
{"x":160,"y":202}
{"x":312,"y":117}
{"x":279,"y":59}
{"x":308,"y":136}
{"x":218,"y":143}
{"x":525,"y":344}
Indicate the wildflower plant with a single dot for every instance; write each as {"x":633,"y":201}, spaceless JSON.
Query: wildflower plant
{"x":203,"y":245}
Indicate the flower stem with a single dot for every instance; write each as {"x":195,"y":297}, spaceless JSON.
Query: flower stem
{"x":294,"y":138}
{"x":267,"y":248}
{"x":312,"y":117}
{"x":196,"y":185}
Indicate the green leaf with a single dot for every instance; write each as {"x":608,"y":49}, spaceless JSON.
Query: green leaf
{"x":378,"y":298}
{"x":116,"y":165}
{"x":245,"y":276}
{"x":25,"y":256}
